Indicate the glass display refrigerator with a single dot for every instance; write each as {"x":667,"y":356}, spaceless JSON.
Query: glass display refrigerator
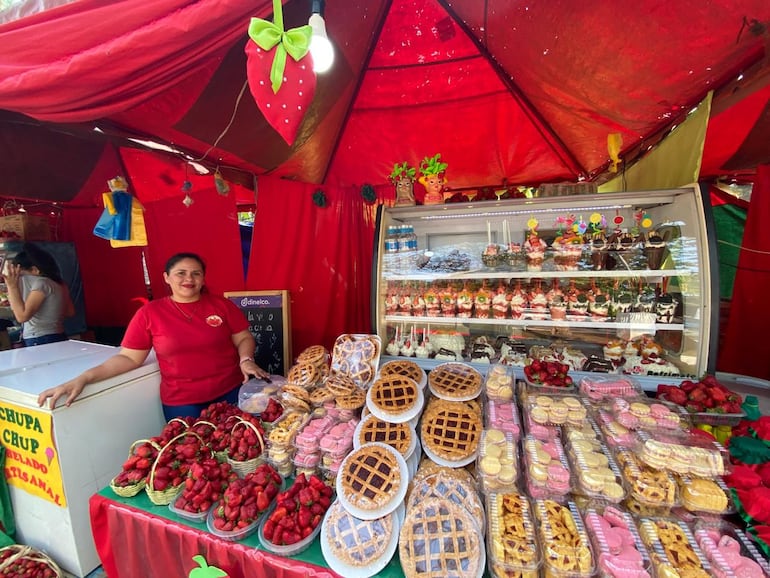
{"x":615,"y":282}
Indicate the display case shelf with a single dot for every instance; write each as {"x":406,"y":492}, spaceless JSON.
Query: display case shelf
{"x":448,"y":267}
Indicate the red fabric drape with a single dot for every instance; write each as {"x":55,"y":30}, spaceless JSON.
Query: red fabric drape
{"x":745,"y":352}
{"x":321,"y":255}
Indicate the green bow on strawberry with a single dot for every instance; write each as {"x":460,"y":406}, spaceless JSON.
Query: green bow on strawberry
{"x":294,"y":42}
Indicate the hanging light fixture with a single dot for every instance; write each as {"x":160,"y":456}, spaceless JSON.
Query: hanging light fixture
{"x":320,"y":47}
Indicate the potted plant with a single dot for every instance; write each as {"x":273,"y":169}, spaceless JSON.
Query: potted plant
{"x":402,"y":178}
{"x":432,"y":170}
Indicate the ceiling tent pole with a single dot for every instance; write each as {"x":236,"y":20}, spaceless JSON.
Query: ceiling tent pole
{"x":545,"y":129}
{"x":385,"y":9}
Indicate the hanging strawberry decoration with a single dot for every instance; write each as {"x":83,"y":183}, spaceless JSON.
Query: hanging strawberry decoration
{"x":270,"y":71}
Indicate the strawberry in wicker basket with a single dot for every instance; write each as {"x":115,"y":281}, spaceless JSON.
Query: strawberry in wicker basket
{"x":247,"y":445}
{"x":17,"y":560}
{"x":170,"y":468}
{"x":136,"y":468}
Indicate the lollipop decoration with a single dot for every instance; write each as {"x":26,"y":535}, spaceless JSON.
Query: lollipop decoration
{"x":534,"y":247}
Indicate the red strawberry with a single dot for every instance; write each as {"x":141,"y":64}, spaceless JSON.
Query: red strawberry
{"x":285,"y":109}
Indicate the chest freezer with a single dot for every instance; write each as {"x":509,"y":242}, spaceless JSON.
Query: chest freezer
{"x":56,"y":459}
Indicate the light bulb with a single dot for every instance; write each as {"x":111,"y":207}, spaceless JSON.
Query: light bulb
{"x":320,"y":47}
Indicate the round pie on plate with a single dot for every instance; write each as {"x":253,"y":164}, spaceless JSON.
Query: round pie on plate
{"x":397,"y":435}
{"x":404,"y":367}
{"x":449,"y":487}
{"x":439,"y":539}
{"x":450,"y":431}
{"x":356,"y":542}
{"x":394,"y":394}
{"x":372,"y":481}
{"x":455,"y":381}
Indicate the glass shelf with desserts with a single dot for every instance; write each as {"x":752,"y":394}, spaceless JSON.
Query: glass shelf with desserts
{"x":616,"y":282}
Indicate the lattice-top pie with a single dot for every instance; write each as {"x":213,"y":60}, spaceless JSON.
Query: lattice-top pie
{"x":394,"y":394}
{"x":396,"y":435}
{"x":455,"y":381}
{"x":450,"y":430}
{"x":314,"y":355}
{"x":369,"y":479}
{"x":405,"y":367}
{"x":354,"y":541}
{"x":303,"y":374}
{"x":449,"y":487}
{"x":438,"y":539}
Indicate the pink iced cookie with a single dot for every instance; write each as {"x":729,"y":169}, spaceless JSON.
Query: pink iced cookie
{"x":627,"y":419}
{"x":658,"y":410}
{"x":749,"y":569}
{"x":615,"y":517}
{"x":552,"y":449}
{"x":729,"y":543}
{"x":619,"y":568}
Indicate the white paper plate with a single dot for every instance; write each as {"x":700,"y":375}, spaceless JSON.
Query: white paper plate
{"x":395,"y":500}
{"x":372,"y":567}
{"x":442,"y":462}
{"x":406,"y":416}
{"x":359,"y":427}
{"x":413,"y":461}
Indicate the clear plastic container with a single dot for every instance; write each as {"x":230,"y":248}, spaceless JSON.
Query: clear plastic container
{"x":704,"y":496}
{"x":650,"y":487}
{"x":555,"y":410}
{"x":234,"y":535}
{"x":497,"y":464}
{"x":729,"y":550}
{"x":357,"y":356}
{"x":607,"y":387}
{"x":548,"y":473}
{"x":254,"y":395}
{"x":289,"y":549}
{"x":199,"y":517}
{"x":285,"y":429}
{"x":616,"y":435}
{"x":512,"y":548}
{"x":499,"y":383}
{"x":683,"y":453}
{"x":566,"y":548}
{"x":588,"y":430}
{"x":536,"y":388}
{"x":503,"y":415}
{"x":595,"y":471}
{"x":446,"y":485}
{"x":672,"y":545}
{"x":617,"y":544}
{"x":646,"y":414}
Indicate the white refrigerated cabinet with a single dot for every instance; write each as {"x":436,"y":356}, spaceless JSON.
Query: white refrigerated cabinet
{"x":92,"y":437}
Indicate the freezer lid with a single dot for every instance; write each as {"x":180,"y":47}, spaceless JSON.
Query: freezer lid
{"x":13,"y":359}
{"x":24,"y":384}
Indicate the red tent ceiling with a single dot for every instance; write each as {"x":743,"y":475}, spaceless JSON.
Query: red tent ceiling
{"x":523,"y":92}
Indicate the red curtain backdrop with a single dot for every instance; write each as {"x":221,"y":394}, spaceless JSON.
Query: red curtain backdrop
{"x":321,"y":255}
{"x":745,"y":351}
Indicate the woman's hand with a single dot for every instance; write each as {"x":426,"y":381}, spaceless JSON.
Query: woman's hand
{"x":249,"y":368}
{"x":71,"y":389}
{"x":12,"y":274}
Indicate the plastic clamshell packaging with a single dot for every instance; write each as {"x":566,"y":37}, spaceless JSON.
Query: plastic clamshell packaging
{"x":287,"y":550}
{"x":447,"y":485}
{"x":499,"y":383}
{"x":595,"y":471}
{"x":235,"y":535}
{"x":672,"y":545}
{"x":705,"y":496}
{"x":616,"y":435}
{"x":709,"y":418}
{"x":497,"y":464}
{"x":650,"y":487}
{"x":617,"y":544}
{"x":566,"y":549}
{"x":683,"y":453}
{"x":548,"y":474}
{"x":646,"y":414}
{"x":511,"y":543}
{"x":503,"y":415}
{"x":358,"y":356}
{"x":556,"y":410}
{"x":607,"y":387}
{"x":729,"y":550}
{"x":540,"y":388}
{"x":199,"y":517}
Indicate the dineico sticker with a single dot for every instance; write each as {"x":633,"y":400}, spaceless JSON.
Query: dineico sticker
{"x":214,"y":320}
{"x":31,"y":459}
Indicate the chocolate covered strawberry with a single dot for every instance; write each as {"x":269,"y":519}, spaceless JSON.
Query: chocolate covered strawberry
{"x":280,"y":72}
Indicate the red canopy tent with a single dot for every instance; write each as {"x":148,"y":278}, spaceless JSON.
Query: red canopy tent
{"x":507,"y":92}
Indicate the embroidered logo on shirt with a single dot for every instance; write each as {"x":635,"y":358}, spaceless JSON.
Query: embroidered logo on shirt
{"x":214,"y":320}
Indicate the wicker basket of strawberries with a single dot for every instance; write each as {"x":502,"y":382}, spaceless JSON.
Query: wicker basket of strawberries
{"x":18,"y":561}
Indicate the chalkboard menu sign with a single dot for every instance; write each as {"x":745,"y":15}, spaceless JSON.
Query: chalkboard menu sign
{"x":269,"y":323}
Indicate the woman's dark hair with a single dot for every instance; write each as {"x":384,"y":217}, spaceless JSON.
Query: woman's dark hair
{"x":33,"y":256}
{"x":174,"y":259}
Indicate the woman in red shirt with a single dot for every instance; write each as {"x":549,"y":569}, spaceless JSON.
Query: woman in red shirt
{"x":202,"y":343}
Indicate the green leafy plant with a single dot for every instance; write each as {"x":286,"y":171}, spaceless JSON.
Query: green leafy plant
{"x":432,"y":165}
{"x":401,"y":171}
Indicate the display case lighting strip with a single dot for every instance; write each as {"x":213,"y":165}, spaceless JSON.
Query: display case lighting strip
{"x":488,"y":214}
